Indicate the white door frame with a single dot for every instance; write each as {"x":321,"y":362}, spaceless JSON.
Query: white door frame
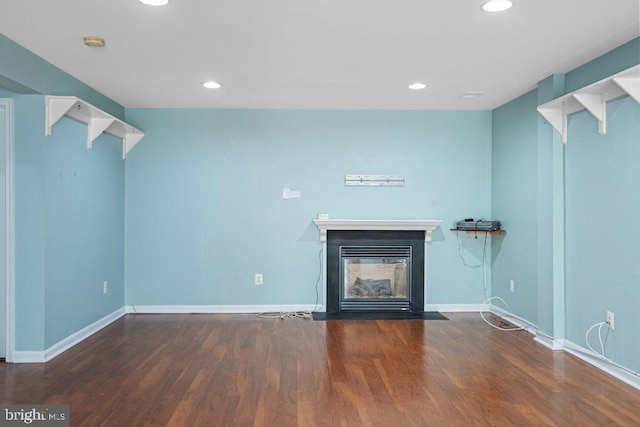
{"x":7,"y":105}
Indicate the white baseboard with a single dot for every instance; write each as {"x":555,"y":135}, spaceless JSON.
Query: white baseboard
{"x":456,"y":308}
{"x":548,"y":342}
{"x":208,"y":309}
{"x":67,"y":343}
{"x":605,"y":365}
{"x":588,"y":356}
{"x":516,"y":320}
{"x":28,"y":357}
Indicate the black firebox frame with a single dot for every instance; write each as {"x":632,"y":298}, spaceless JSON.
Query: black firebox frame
{"x":338,"y":238}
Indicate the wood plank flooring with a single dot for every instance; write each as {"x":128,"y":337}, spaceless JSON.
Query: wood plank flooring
{"x":240,"y":370}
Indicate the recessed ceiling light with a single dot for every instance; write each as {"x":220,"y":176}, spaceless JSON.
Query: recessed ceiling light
{"x":417,"y":86}
{"x":93,"y":41}
{"x":211,"y":85}
{"x":497,"y":5}
{"x":155,"y":2}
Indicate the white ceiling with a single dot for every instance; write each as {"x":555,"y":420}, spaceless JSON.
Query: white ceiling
{"x":338,"y":54}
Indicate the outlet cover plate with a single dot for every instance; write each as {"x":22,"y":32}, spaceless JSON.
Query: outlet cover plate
{"x":610,"y":320}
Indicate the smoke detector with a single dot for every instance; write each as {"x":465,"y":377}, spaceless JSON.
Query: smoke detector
{"x":94,"y":41}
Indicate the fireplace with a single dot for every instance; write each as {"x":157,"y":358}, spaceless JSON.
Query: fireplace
{"x":374,"y":265}
{"x":375,"y":270}
{"x":375,"y":277}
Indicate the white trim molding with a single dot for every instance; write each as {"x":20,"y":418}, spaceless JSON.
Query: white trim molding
{"x":456,"y":308}
{"x":28,"y":357}
{"x":512,"y":318}
{"x":212,"y":309}
{"x":548,"y":342}
{"x":617,"y":371}
{"x":10,"y":285}
{"x":611,"y":368}
{"x":67,"y":343}
{"x":426,"y":225}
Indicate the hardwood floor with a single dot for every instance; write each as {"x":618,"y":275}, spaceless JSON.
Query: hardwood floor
{"x":237,"y":370}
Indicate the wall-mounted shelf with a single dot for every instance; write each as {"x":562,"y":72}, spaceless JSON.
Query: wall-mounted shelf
{"x":592,"y":98}
{"x":96,"y":120}
{"x":479,"y":231}
{"x":374,"y":180}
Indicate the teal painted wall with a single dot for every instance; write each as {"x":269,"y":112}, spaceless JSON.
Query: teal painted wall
{"x":84,"y":222}
{"x":619,"y":59}
{"x":24,"y":72}
{"x":69,"y":227}
{"x":514,"y":202}
{"x":29,"y":217}
{"x":594,"y":268}
{"x":550,"y":177}
{"x":603,"y":272}
{"x":204,"y":211}
{"x":69,"y":207}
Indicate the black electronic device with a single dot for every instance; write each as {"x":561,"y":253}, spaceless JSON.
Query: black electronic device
{"x":478,"y":225}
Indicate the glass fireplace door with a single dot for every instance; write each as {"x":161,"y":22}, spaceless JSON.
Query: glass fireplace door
{"x":375,"y":278}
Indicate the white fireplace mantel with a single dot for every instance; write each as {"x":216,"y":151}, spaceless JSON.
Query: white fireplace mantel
{"x":426,"y":225}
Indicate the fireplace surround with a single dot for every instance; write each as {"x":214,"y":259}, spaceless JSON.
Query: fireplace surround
{"x":375,"y":270}
{"x":374,"y":265}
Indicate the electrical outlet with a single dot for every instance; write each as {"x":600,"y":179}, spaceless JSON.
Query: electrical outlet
{"x":257,"y":279}
{"x":512,"y":285}
{"x":105,"y":287}
{"x":286,"y":193}
{"x":610,"y":320}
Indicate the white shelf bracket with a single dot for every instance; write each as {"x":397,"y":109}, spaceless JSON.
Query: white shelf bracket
{"x":95,"y":128}
{"x":554,"y":116}
{"x":98,"y":121}
{"x":629,"y":84}
{"x":55,"y":110}
{"x":598,"y":109}
{"x":130,"y":140}
{"x":592,"y":98}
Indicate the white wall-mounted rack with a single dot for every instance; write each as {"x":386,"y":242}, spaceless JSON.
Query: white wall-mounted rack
{"x":592,"y":98}
{"x":374,"y":180}
{"x":96,"y":120}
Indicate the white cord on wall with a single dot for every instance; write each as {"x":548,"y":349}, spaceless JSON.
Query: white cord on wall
{"x":602,"y":355}
{"x":297,"y":314}
{"x":484,"y":284}
{"x":285,"y":315}
{"x":315,"y":306}
{"x":586,"y":338}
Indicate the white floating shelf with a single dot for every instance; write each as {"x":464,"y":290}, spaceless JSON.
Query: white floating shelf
{"x":96,"y":120}
{"x":592,"y":98}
